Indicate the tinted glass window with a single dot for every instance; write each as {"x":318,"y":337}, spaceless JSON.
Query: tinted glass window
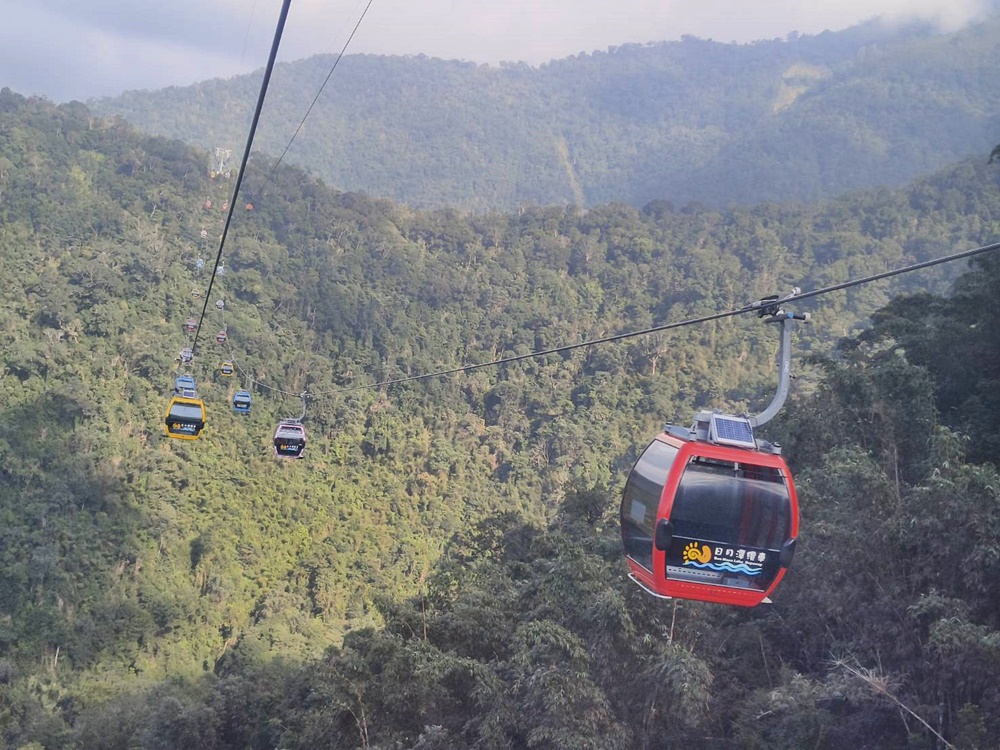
{"x":641,"y":500}
{"x":185,"y":413}
{"x":732,"y":503}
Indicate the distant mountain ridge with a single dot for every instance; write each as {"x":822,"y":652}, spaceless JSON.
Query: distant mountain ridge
{"x":782,"y":120}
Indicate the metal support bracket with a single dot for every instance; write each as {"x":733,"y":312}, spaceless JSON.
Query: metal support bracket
{"x":770,"y":310}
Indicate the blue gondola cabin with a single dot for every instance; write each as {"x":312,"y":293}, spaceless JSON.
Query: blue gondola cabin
{"x":242,"y":401}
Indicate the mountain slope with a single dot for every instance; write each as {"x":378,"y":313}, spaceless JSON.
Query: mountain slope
{"x":694,"y":120}
{"x":129,"y":563}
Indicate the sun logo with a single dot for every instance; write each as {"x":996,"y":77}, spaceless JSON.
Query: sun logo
{"x":694,"y":553}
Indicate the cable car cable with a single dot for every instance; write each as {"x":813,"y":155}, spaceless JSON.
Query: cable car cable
{"x":336,"y":62}
{"x":895,"y":272}
{"x":248,"y":378}
{"x":753,"y":307}
{"x":246,"y":36}
{"x":679,"y":324}
{"x":279,"y":29}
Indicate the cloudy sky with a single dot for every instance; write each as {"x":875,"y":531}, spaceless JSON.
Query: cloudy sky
{"x":79,"y":49}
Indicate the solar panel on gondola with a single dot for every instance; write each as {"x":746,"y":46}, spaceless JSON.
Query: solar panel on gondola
{"x":728,"y":430}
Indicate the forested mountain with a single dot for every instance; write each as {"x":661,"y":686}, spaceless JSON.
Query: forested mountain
{"x":443,"y":569}
{"x":694,"y":120}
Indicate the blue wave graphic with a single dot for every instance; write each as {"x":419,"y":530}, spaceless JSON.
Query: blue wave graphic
{"x":728,"y":567}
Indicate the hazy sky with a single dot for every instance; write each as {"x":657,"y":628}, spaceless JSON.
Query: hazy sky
{"x":78,"y":49}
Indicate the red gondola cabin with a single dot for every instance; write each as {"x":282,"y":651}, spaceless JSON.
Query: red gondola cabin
{"x":709,"y":521}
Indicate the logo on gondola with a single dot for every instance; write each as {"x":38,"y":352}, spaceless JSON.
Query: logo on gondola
{"x":724,"y":559}
{"x":695,"y":553}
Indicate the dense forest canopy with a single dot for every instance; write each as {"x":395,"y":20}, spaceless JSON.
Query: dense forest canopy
{"x":791,"y":119}
{"x":444,"y":571}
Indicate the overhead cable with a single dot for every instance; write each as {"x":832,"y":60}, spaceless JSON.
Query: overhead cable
{"x":678,"y":324}
{"x":279,"y":29}
{"x":329,"y":75}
